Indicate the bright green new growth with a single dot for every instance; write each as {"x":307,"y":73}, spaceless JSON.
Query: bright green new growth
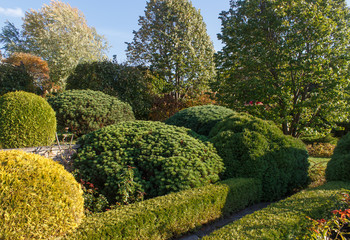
{"x":200,"y":119}
{"x":338,"y":168}
{"x":252,"y":147}
{"x":26,"y":120}
{"x":39,"y":199}
{"x":84,"y":111}
{"x":129,"y":158}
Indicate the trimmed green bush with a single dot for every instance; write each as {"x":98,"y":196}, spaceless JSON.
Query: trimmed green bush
{"x":286,"y":219}
{"x":129,"y":158}
{"x":39,"y":199}
{"x":84,"y":111}
{"x":14,"y":78}
{"x":252,"y":147}
{"x":338,"y":168}
{"x":200,"y":119}
{"x":134,"y":85}
{"x":173,"y":214}
{"x":26,"y":120}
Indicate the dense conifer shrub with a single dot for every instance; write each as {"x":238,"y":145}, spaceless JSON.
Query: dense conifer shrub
{"x":251,"y":147}
{"x":338,"y":168}
{"x":26,"y":120}
{"x":39,"y":199}
{"x":200,"y":119}
{"x":83,"y":111}
{"x":131,"y":158}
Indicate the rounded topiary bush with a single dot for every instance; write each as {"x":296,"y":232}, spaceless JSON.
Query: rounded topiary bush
{"x":252,"y":147}
{"x":338,"y":168}
{"x":200,"y":119}
{"x":83,"y":111}
{"x":39,"y":199}
{"x":26,"y":120}
{"x":129,"y":158}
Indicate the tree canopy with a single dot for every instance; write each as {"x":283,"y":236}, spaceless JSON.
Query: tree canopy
{"x":173,"y":41}
{"x":60,"y":35}
{"x":286,"y":61}
{"x":35,"y":66}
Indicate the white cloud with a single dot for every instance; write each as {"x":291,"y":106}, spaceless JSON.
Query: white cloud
{"x":12,"y":12}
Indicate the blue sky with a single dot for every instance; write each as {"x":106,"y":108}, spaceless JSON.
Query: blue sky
{"x":116,"y":19}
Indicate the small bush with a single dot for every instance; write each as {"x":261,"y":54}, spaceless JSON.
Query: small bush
{"x":15,"y":78}
{"x":286,"y":219}
{"x":133,"y":85}
{"x":320,"y":149}
{"x":200,"y":119}
{"x":83,"y":111}
{"x":127,"y":159}
{"x":251,"y":147}
{"x":38,"y":198}
{"x":26,"y":120}
{"x":338,"y":168}
{"x":173,"y":214}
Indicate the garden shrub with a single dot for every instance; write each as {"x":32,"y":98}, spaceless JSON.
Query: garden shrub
{"x":15,"y":78}
{"x":83,"y":111}
{"x":127,"y":159}
{"x":252,"y":147}
{"x":338,"y":168}
{"x":133,"y":85}
{"x":26,"y":120}
{"x":38,"y":198}
{"x":200,"y":119}
{"x":286,"y":219}
{"x":173,"y":214}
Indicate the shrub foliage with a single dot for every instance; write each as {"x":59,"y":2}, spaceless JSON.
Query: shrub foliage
{"x":130,"y":84}
{"x":26,"y":120}
{"x":200,"y":119}
{"x":83,"y":111}
{"x":251,"y":147}
{"x":38,"y":198}
{"x":286,"y":219}
{"x":338,"y":168}
{"x":168,"y":216}
{"x":129,"y":158}
{"x":15,"y":78}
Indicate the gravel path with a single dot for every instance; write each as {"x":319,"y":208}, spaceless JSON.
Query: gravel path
{"x":211,"y":227}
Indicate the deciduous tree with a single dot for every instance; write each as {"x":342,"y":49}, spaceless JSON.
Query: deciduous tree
{"x":172,"y":40}
{"x":290,"y":56}
{"x":35,"y":66}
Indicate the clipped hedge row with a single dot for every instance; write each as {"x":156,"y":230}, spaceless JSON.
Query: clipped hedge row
{"x":171,"y":215}
{"x":285,"y":219}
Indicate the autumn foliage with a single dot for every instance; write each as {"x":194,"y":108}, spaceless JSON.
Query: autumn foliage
{"x":166,"y":105}
{"x":35,"y":66}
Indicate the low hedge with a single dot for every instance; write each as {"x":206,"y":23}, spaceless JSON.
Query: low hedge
{"x":173,"y":214}
{"x":285,"y":219}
